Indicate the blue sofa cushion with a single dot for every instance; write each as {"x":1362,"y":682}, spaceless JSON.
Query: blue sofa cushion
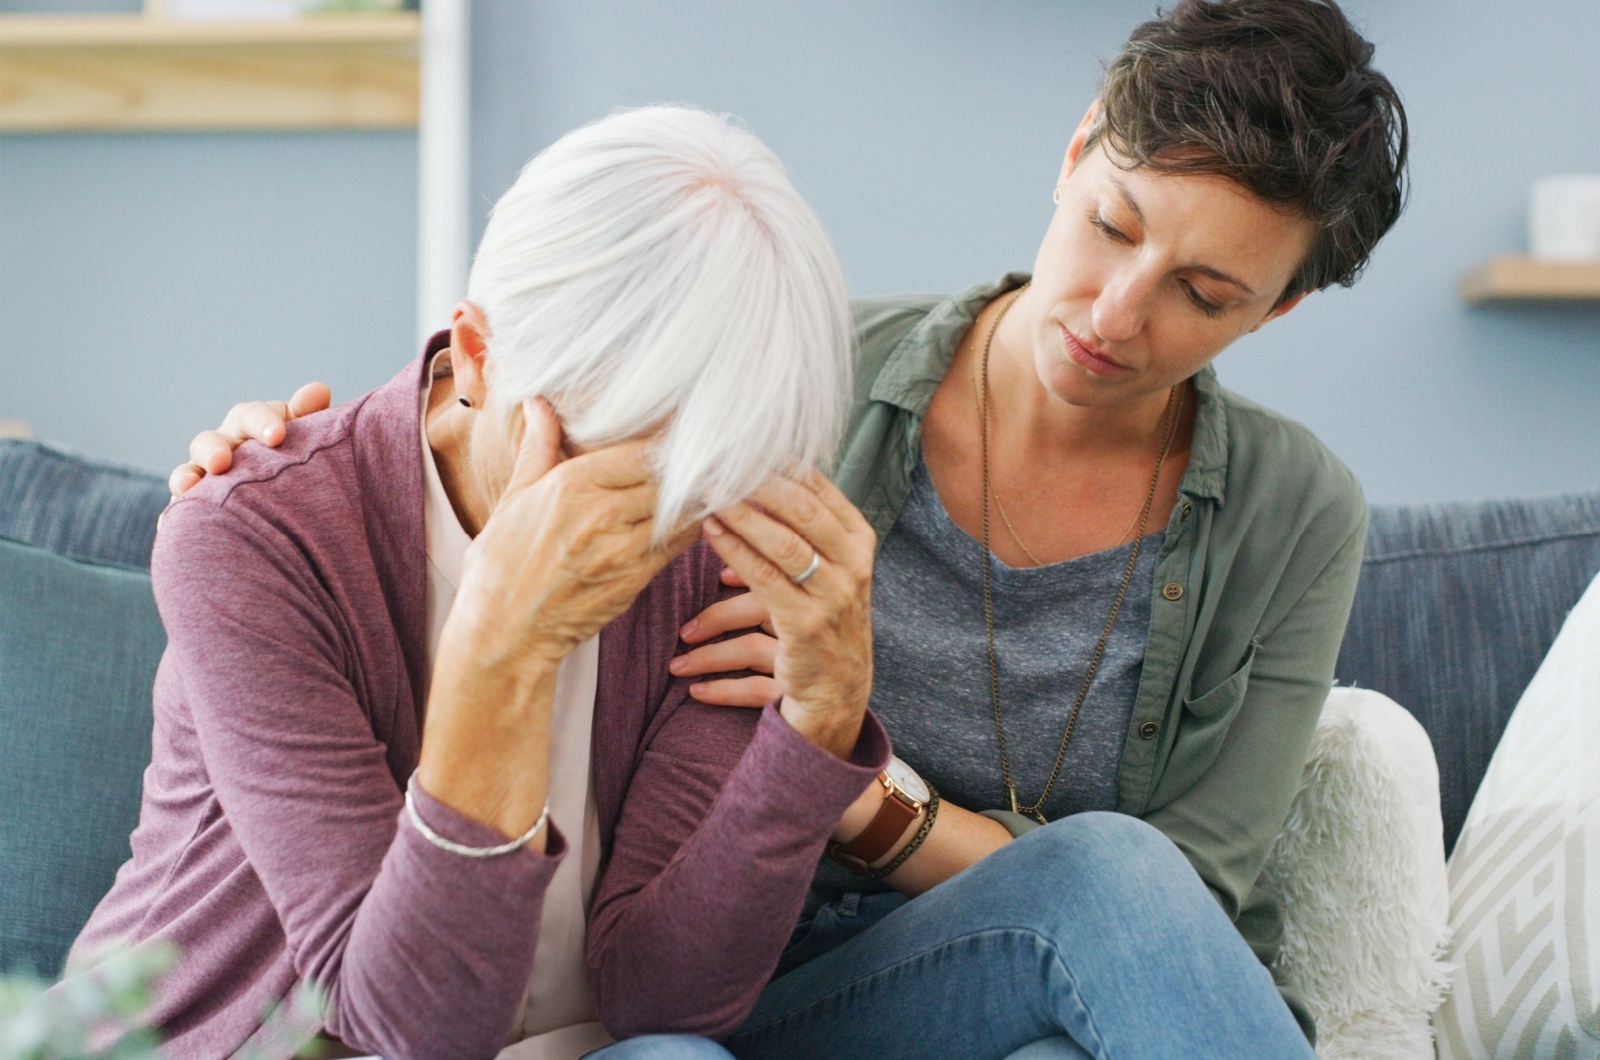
{"x":88,"y":509}
{"x":79,"y":645}
{"x":1457,"y":606}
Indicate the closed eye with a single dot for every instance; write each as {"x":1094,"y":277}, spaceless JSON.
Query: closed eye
{"x":1106,"y":228}
{"x":1209,"y":308}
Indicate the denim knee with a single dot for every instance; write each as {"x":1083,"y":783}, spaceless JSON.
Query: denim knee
{"x":1101,"y":835}
{"x":663,"y":1047}
{"x":1109,"y":853}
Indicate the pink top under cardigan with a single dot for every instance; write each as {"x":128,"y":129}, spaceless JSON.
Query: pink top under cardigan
{"x":288,"y":717}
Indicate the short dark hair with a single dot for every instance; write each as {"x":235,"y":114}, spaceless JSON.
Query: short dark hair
{"x":1278,"y":95}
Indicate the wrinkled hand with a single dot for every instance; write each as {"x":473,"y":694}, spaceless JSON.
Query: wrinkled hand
{"x":822,"y":658}
{"x":567,"y":548}
{"x":211,"y":452}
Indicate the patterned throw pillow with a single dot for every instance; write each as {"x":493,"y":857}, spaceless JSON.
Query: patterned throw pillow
{"x":1525,"y":875}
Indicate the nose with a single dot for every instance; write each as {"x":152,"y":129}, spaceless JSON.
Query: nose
{"x":1119,"y":310}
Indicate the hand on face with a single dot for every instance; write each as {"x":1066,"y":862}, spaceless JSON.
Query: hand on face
{"x":567,"y":548}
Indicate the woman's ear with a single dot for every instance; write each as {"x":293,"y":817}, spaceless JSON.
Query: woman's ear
{"x":1080,"y":138}
{"x":1278,"y":311}
{"x":469,"y":344}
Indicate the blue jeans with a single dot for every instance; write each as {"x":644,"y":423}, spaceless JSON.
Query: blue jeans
{"x":1092,"y":937}
{"x":662,"y":1047}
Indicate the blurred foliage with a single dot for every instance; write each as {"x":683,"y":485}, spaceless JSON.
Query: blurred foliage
{"x":94,"y":1015}
{"x":100,"y":1013}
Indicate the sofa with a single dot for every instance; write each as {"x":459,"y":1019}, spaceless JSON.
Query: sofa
{"x":1457,"y":606}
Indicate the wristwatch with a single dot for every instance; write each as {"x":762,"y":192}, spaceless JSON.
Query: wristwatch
{"x":905,"y":795}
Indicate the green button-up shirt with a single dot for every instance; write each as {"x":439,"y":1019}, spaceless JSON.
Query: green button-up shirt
{"x":1253,"y":588}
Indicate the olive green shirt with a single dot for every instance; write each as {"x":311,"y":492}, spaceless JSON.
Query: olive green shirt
{"x":1253,"y":587}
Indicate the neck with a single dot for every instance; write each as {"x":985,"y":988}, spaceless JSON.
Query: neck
{"x":453,"y":436}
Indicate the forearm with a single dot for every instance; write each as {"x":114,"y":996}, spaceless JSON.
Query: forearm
{"x":486,"y":741}
{"x":957,"y":840}
{"x":688,"y":927}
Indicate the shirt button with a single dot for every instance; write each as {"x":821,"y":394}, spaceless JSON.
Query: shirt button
{"x":1148,"y":730}
{"x":1172,"y":591}
{"x":1187,"y":508}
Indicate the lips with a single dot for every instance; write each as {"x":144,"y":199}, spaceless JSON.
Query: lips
{"x":1097,"y":363}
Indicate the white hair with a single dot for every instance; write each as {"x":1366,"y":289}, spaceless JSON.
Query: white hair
{"x":657,"y":270}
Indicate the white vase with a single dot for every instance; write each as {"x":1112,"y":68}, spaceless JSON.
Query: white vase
{"x":1564,"y":218}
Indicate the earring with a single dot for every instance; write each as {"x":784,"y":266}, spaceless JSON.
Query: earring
{"x":1055,"y":196}
{"x":466,"y":402}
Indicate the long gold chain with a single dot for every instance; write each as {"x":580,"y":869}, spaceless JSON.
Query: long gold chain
{"x":1169,"y":429}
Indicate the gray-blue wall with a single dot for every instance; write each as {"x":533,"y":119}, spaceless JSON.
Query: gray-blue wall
{"x":146,"y":282}
{"x":928,"y":134}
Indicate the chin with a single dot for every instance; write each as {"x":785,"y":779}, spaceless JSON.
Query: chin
{"x":1072,"y":384}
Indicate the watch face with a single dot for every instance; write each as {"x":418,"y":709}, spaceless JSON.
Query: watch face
{"x":906,"y":779}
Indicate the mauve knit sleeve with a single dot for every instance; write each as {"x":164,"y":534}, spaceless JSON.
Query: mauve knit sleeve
{"x":719,"y":835}
{"x":423,"y":953}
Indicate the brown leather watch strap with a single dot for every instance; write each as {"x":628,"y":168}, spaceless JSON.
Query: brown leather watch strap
{"x":879,"y":837}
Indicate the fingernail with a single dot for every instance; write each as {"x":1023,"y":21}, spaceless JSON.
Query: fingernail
{"x":676,"y":665}
{"x":714,"y":528}
{"x":688,"y":630}
{"x":697,"y":690}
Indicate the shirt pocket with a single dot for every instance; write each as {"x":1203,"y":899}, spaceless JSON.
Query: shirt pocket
{"x":1225,"y":698}
{"x":1203,"y":727}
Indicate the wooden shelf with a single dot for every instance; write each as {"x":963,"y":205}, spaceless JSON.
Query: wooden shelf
{"x":70,"y":73}
{"x":1508,"y":279}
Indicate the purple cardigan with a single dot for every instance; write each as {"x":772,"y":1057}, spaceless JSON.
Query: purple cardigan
{"x":288,"y":717}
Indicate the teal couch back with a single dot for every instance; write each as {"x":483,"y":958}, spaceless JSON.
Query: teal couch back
{"x":79,"y":645}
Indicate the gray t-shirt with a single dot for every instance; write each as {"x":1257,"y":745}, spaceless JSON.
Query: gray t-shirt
{"x":931,"y":671}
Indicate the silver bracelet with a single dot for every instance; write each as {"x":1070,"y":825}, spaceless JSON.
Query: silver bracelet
{"x":473,"y":852}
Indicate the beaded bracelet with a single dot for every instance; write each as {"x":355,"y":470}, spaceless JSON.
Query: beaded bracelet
{"x":472,"y":852}
{"x":916,"y":840}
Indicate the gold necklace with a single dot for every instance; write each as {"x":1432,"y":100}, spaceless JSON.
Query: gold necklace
{"x":1169,"y":428}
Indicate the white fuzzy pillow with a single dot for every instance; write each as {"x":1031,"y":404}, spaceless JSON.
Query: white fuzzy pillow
{"x":1360,"y":871}
{"x":1525,"y":875}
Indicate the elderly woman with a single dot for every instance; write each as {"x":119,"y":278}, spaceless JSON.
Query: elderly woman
{"x":387,"y":677}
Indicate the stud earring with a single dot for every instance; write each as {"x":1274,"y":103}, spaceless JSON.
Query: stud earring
{"x":466,"y":402}
{"x":1055,"y":196}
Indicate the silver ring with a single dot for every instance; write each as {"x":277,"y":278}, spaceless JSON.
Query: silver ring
{"x":805,"y":575}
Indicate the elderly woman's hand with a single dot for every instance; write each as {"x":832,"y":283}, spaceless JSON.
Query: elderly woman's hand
{"x":567,"y":547}
{"x":822,"y":660}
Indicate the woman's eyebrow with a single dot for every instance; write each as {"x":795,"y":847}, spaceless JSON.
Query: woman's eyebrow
{"x":1127,"y":197}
